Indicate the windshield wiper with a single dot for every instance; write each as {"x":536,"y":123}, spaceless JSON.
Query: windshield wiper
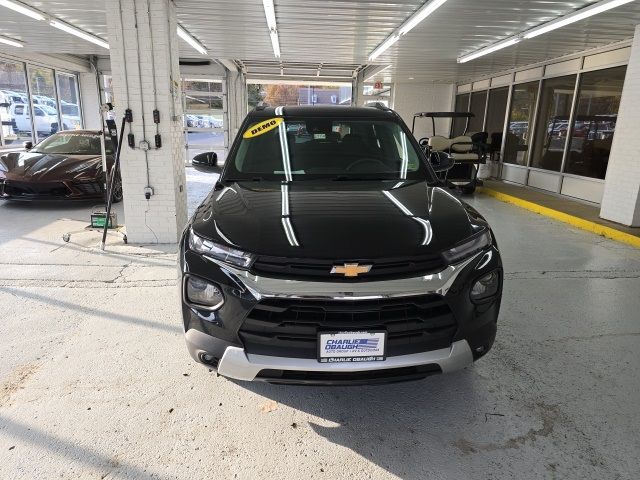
{"x":251,"y":179}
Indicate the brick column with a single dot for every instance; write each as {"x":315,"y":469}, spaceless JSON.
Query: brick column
{"x":621,"y":199}
{"x":144,"y":60}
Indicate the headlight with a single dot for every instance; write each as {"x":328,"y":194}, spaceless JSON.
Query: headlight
{"x":219,"y":252}
{"x":468,"y":248}
{"x":486,"y":286}
{"x":203,"y":293}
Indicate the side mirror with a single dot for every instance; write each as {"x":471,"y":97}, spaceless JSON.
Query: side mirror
{"x":27,"y":145}
{"x":206,"y":162}
{"x":441,"y":161}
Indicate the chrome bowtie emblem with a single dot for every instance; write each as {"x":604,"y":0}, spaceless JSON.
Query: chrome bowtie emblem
{"x":351,"y":269}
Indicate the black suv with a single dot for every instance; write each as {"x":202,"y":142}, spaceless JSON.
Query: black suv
{"x":327,"y":253}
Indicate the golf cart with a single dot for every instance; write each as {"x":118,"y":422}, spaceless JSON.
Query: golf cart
{"x":468,"y":150}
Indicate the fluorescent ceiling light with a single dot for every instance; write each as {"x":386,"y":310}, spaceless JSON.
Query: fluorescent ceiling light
{"x":576,"y":16}
{"x":183,"y":34}
{"x":384,"y":46}
{"x":420,"y":14}
{"x":23,"y":9}
{"x":490,"y":49}
{"x":270,"y":13}
{"x":65,"y":27}
{"x":560,"y":22}
{"x":11,"y":41}
{"x":408,"y":25}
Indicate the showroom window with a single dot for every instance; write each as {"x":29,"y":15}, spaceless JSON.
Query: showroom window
{"x":552,"y":122}
{"x":496,"y":111}
{"x":204,"y":113}
{"x":14,"y":96}
{"x":35,"y":96}
{"x":595,"y":122}
{"x":523,"y":107}
{"x":459,"y":125}
{"x":478,"y":105}
{"x":276,"y":94}
{"x":45,"y":106}
{"x":69,"y":96}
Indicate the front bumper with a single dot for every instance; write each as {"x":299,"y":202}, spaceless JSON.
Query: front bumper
{"x":236,"y":363}
{"x":215,"y":338}
{"x":59,"y":191}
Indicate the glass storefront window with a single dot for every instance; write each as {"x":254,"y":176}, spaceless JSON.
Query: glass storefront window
{"x":553,"y":122}
{"x":478,"y":103}
{"x":496,"y":111}
{"x":69,"y":101}
{"x":459,"y":125}
{"x":595,"y":122}
{"x":13,"y":96}
{"x":276,"y":94}
{"x":523,"y":107}
{"x":45,"y":107}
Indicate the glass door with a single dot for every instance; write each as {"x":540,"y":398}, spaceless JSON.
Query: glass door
{"x":204,"y":121}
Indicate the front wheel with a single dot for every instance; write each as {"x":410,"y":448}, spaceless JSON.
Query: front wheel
{"x":116,"y":193}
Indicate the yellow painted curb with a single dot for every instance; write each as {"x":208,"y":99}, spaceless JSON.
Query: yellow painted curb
{"x":577,"y":222}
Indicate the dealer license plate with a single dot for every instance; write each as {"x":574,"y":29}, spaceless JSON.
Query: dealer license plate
{"x":337,"y":347}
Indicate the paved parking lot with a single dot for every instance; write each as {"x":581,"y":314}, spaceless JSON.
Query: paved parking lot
{"x":96,"y":382}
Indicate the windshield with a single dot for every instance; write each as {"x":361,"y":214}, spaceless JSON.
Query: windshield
{"x":320,"y":147}
{"x":73,"y":144}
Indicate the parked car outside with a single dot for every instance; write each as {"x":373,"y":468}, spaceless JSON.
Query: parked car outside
{"x":45,"y":118}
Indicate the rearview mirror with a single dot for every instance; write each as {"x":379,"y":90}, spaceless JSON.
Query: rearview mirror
{"x":206,"y":162}
{"x":27,"y":145}
{"x":441,"y":161}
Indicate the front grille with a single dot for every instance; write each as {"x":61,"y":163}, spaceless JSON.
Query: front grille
{"x":289,"y":328}
{"x":50,"y":189}
{"x":388,"y":268}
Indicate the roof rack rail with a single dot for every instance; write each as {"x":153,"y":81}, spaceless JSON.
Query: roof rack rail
{"x":380,"y":106}
{"x":259,"y":108}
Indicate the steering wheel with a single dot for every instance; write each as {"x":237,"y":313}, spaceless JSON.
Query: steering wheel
{"x":372,"y":161}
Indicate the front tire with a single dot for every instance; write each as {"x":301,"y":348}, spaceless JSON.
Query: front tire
{"x":116,"y":194}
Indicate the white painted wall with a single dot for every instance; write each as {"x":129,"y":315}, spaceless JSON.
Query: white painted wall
{"x":621,"y":199}
{"x":410,"y":98}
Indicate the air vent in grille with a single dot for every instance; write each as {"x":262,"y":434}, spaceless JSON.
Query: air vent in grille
{"x":289,"y":328}
{"x":53,"y":189}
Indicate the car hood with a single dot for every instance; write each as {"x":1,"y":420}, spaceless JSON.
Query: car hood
{"x":44,"y":167}
{"x":336,"y":220}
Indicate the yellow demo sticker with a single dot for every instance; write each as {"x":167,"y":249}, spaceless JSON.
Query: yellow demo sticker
{"x":262,"y":127}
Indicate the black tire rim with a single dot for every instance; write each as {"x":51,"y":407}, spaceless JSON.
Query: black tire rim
{"x":116,"y":196}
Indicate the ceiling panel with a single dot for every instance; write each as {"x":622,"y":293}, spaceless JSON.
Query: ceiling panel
{"x":344,"y":32}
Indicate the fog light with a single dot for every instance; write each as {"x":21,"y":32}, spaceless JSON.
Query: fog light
{"x":486,"y":286}
{"x":209,"y":359}
{"x":203,"y":293}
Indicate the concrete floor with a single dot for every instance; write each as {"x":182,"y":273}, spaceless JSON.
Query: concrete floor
{"x":96,"y":382}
